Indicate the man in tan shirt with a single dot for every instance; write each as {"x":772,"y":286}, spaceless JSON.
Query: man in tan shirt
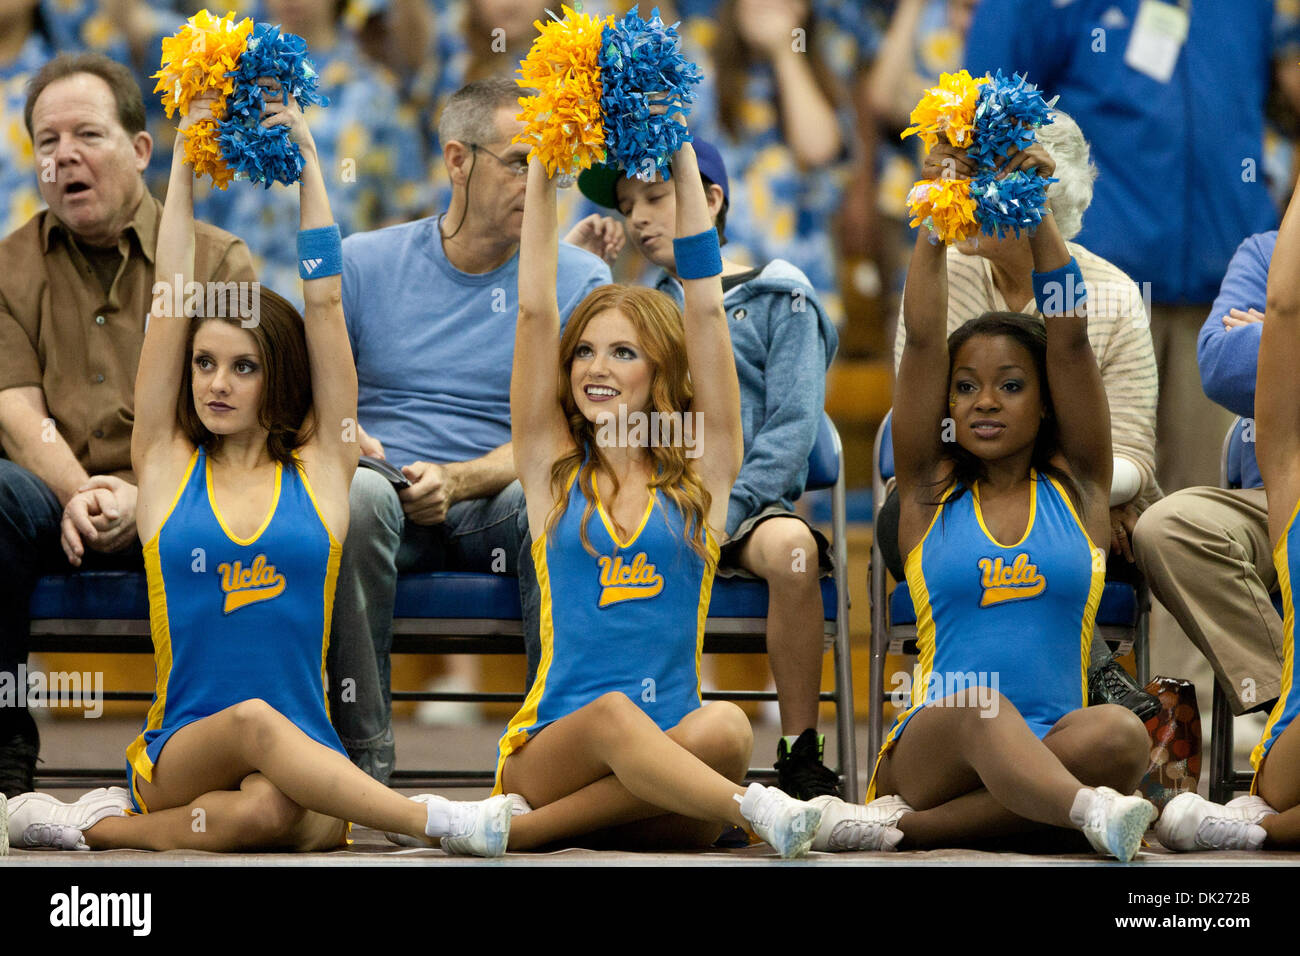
{"x":76,"y":285}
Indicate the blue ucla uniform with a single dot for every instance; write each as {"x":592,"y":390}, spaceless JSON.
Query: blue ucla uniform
{"x":630,"y":619}
{"x":237,"y":619}
{"x":1016,"y":618}
{"x":1286,"y":558}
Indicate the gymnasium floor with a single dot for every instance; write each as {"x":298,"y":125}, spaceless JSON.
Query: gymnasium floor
{"x":100,"y":743}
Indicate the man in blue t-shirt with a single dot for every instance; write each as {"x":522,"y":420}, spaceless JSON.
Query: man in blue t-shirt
{"x":431,"y":308}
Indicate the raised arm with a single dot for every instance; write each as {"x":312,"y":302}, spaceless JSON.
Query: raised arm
{"x":538,"y":431}
{"x":921,"y":385}
{"x":708,"y":346}
{"x":1073,"y":375}
{"x":162,"y":356}
{"x":333,"y":372}
{"x":1277,"y":388}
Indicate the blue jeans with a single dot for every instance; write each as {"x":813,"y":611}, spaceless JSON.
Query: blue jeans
{"x":29,"y":547}
{"x":380,"y":544}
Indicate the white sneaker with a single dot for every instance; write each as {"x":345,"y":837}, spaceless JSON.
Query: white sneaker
{"x":4,"y":825}
{"x":787,"y":824}
{"x":1113,"y":823}
{"x":480,"y":828}
{"x":852,"y":826}
{"x":518,"y":805}
{"x":1254,"y":805}
{"x":1190,"y":822}
{"x":40,"y":820}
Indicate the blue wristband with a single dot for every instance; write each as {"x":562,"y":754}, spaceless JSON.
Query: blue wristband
{"x":698,"y":256}
{"x":320,"y":252}
{"x":1060,"y":291}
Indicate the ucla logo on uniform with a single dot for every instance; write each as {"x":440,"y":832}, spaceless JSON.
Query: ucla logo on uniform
{"x":628,"y":582}
{"x":244,"y":586}
{"x":1017,"y":582}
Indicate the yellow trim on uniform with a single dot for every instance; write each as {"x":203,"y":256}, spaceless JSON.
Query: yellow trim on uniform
{"x":1033,"y":508}
{"x":1281,"y":560}
{"x":1088,"y":626}
{"x":516,"y":734}
{"x":609,"y":523}
{"x":275,"y":503}
{"x":331,"y":570}
{"x":702,"y":613}
{"x":160,"y":632}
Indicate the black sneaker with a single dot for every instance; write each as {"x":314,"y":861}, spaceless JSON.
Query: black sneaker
{"x":800,"y":771}
{"x":18,"y":754}
{"x":1111,"y":684}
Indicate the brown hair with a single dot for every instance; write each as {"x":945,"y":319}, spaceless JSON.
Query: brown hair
{"x":658,"y":324}
{"x":286,"y":391}
{"x":126,"y":92}
{"x":732,"y":59}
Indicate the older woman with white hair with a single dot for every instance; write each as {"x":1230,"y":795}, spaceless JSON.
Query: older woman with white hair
{"x":986,"y":274}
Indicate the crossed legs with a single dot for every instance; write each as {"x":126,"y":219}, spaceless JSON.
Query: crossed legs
{"x":247,"y":778}
{"x":971,"y":776}
{"x":607,"y":769}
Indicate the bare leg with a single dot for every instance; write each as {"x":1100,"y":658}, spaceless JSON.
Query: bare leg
{"x":257,"y":816}
{"x":783,"y":552}
{"x":607,"y":765}
{"x":969,"y":777}
{"x":219,"y":752}
{"x":1279,"y":785}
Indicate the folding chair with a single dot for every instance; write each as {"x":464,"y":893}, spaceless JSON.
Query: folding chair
{"x":1123,"y":616}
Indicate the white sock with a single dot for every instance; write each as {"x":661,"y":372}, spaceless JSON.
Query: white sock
{"x":1083,"y":801}
{"x":752,"y":795}
{"x":438,"y":823}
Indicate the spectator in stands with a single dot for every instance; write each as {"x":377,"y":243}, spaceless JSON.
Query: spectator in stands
{"x":1269,"y":817}
{"x":988,"y":274}
{"x":1129,"y":79}
{"x":436,"y":296}
{"x":773,"y":101}
{"x":1205,"y":551}
{"x":24,"y":48}
{"x":783,"y":343}
{"x":369,"y":149}
{"x":75,"y":287}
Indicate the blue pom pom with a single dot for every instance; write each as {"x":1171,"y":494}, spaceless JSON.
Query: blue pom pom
{"x":1008,"y":112}
{"x":259,"y":154}
{"x":1010,"y":204}
{"x":641,"y":64}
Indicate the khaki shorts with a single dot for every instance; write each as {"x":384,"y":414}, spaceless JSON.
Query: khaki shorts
{"x":728,"y":566}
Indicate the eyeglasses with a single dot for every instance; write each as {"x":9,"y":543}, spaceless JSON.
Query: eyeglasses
{"x":517,"y":167}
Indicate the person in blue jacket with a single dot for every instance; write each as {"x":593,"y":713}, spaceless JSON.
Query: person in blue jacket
{"x":1205,"y":551}
{"x":783,"y":343}
{"x":1168,"y":214}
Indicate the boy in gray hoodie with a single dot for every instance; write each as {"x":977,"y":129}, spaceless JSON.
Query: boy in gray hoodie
{"x":783,"y":343}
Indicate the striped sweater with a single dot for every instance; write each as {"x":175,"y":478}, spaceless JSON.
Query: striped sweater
{"x":1120,"y":333}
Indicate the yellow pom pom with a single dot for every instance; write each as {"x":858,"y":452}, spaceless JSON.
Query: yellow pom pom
{"x":196,"y":60}
{"x":203,"y":153}
{"x":945,"y":207}
{"x":563,"y":124}
{"x":948,"y":108}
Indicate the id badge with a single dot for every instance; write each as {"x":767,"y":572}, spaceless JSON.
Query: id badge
{"x":1157,"y":38}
